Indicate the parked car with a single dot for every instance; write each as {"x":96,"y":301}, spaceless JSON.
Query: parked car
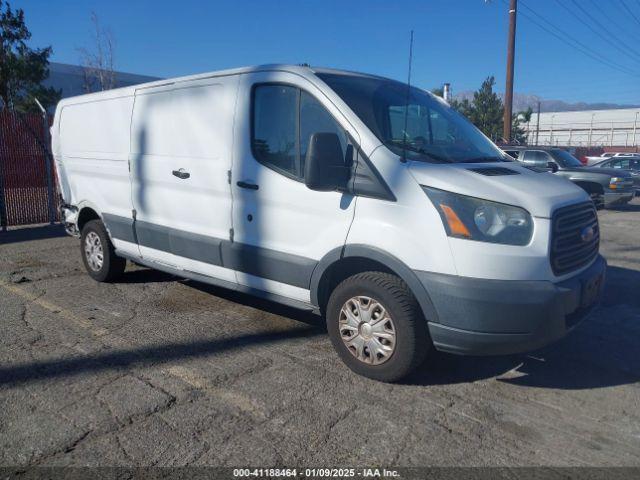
{"x":630,"y":164}
{"x":593,"y":160}
{"x":355,"y":196}
{"x":606,"y":187}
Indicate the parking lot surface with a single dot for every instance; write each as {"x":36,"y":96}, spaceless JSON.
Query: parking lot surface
{"x":154,"y":370}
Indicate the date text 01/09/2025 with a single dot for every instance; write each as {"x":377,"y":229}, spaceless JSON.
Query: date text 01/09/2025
{"x":315,"y":472}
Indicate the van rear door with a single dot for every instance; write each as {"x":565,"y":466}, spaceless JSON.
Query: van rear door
{"x":181,"y":139}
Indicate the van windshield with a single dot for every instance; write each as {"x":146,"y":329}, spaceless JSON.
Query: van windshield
{"x":431,"y":131}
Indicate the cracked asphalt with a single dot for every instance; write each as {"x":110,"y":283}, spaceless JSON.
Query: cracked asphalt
{"x":157,"y":371}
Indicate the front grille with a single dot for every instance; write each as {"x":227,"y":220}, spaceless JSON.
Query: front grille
{"x":569,"y":250}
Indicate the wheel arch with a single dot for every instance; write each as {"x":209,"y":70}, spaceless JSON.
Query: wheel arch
{"x":343,"y":262}
{"x":86,"y":214}
{"x":590,"y":186}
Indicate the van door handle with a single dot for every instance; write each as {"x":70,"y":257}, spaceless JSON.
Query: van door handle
{"x":250,"y":186}
{"x":181,"y":173}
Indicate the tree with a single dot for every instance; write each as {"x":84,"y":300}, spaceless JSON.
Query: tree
{"x":22,"y":69}
{"x":518,"y":133}
{"x":487,"y":110}
{"x":463,"y":106}
{"x":98,"y":61}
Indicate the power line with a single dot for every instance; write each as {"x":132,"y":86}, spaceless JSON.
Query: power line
{"x":626,"y":7}
{"x":608,"y":37}
{"x":574,"y":43}
{"x":582,"y":47}
{"x":604,"y":13}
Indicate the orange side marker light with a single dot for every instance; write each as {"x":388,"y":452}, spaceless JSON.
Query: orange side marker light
{"x":455,"y":224}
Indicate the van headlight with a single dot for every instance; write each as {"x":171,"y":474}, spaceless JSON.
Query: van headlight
{"x":482,"y":220}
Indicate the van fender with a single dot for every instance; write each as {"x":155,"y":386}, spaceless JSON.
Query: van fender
{"x":117,"y":227}
{"x":382,"y":257}
{"x":88,"y":204}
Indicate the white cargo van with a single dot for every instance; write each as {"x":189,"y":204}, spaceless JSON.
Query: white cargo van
{"x":376,"y":205}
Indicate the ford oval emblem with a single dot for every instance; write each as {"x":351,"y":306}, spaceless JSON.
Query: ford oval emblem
{"x":587,"y":234}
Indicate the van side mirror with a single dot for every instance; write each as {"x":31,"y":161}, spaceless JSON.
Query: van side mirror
{"x":553,"y":166}
{"x":324,"y":166}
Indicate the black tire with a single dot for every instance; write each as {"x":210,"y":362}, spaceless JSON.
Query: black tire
{"x":112,"y":266}
{"x":412,"y":341}
{"x":598,"y":200}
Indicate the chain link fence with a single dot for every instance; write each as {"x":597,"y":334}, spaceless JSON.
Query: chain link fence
{"x":28,"y":192}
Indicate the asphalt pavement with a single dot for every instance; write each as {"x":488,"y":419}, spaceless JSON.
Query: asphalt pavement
{"x":158,"y":371}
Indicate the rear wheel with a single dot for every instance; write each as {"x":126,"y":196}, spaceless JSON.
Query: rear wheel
{"x":377,"y":327}
{"x":98,"y":253}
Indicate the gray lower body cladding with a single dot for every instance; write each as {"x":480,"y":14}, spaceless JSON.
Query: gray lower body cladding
{"x":494,"y":317}
{"x":261,"y":262}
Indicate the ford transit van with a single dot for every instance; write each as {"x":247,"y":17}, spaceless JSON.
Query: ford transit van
{"x":352,"y":195}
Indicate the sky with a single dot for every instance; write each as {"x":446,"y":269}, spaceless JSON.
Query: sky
{"x":456,"y":41}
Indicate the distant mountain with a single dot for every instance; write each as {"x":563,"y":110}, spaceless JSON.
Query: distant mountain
{"x":522,"y":102}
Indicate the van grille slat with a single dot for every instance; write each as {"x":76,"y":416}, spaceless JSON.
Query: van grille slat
{"x":572,"y":238}
{"x":568,"y":251}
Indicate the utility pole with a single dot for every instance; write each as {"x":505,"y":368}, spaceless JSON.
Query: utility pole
{"x":538,"y":123}
{"x":508,"y":94}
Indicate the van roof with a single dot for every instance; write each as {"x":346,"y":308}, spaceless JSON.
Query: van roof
{"x":303,"y":70}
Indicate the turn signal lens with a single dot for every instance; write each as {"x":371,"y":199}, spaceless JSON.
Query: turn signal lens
{"x":455,"y":224}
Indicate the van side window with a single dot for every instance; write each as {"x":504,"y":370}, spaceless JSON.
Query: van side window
{"x":275,"y":123}
{"x":284,"y":118}
{"x":314,"y":118}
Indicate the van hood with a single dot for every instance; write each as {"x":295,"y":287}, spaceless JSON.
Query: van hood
{"x":539,"y":193}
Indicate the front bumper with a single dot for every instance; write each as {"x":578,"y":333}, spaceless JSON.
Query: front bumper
{"x":496,"y":317}
{"x":618,"y":198}
{"x":69,"y":216}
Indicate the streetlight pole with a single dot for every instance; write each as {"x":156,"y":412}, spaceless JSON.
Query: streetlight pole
{"x":508,"y":94}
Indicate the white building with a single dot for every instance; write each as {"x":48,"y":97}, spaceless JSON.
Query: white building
{"x":620,"y":128}
{"x":71,"y":79}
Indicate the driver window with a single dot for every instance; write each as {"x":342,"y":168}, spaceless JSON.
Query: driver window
{"x":284,"y":118}
{"x":314,"y":118}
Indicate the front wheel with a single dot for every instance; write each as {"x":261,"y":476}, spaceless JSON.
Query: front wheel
{"x":598,"y":200}
{"x":98,"y":254}
{"x":377,"y":326}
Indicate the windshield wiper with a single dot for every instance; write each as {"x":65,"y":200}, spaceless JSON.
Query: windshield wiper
{"x":432,"y":156}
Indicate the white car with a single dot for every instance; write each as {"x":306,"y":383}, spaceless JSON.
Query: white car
{"x":406,"y":228}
